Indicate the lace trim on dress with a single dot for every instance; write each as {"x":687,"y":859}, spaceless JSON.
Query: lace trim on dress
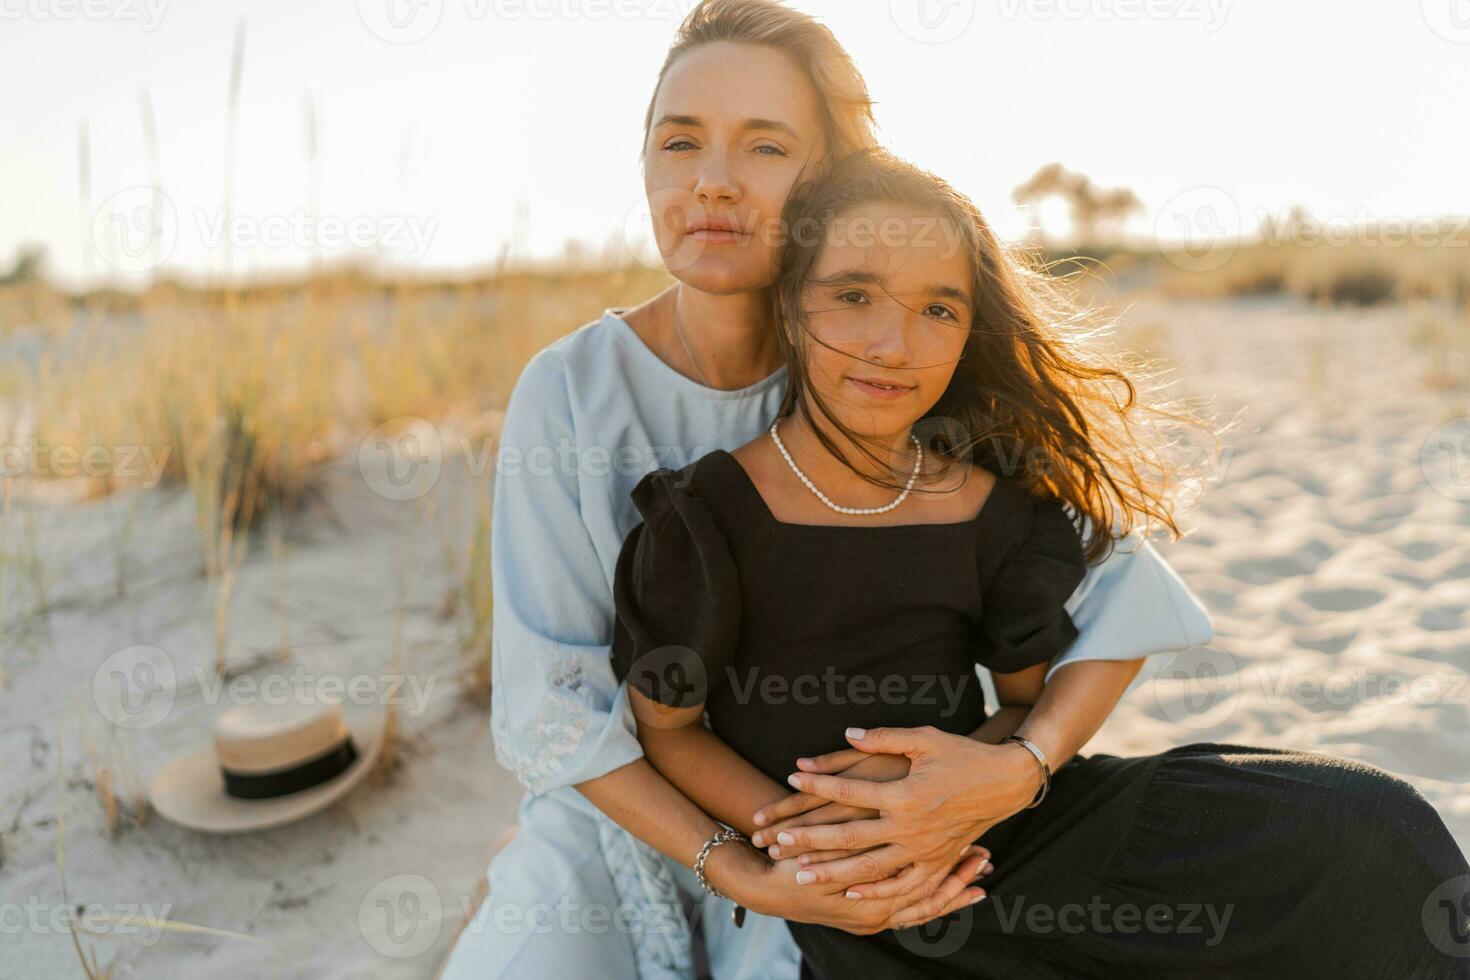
{"x":559,"y":728}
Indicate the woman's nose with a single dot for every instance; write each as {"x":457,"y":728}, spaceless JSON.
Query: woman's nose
{"x":716,"y":183}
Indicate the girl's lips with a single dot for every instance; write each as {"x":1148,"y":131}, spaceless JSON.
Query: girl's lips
{"x":873,"y":391}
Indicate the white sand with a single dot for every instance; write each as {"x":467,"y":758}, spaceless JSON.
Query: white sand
{"x":1338,"y":576}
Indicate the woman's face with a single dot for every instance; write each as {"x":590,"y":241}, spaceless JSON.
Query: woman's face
{"x":733,"y":127}
{"x":888,"y":308}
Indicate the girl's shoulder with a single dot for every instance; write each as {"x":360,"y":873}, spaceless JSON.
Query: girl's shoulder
{"x":703,"y":483}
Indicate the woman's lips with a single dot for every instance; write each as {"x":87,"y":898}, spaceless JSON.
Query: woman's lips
{"x":715,"y":235}
{"x":874,"y":391}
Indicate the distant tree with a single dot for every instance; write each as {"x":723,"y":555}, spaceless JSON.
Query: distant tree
{"x":1093,"y":208}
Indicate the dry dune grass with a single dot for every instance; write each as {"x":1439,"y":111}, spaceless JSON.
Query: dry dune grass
{"x":1372,"y":267}
{"x":242,"y":396}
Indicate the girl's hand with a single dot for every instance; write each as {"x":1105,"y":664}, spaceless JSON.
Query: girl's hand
{"x":805,"y":809}
{"x":775,"y":890}
{"x":956,"y":790}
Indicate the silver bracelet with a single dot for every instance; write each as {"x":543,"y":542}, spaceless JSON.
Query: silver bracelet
{"x":1031,"y":747}
{"x":721,"y":837}
{"x":725,"y":836}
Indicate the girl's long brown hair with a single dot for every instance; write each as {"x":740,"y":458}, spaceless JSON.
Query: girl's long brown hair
{"x":1032,"y":397}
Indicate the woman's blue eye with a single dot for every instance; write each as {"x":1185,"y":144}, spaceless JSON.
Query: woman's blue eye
{"x":678,"y":146}
{"x":768,"y":150}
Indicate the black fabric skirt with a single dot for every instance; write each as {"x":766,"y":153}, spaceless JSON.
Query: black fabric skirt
{"x":1208,"y":860}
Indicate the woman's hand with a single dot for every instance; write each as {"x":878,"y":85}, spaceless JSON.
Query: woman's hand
{"x":772,"y":888}
{"x":804,"y":809}
{"x":957,"y":789}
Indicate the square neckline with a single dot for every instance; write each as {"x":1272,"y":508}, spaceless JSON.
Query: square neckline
{"x":770,"y":515}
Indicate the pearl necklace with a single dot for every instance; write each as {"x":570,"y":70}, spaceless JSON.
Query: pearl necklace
{"x":918,"y":463}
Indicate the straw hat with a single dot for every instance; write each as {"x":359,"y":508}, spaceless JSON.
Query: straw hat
{"x":269,"y":765}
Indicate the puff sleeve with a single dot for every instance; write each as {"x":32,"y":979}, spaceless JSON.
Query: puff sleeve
{"x":676,"y":594}
{"x":1023,"y":619}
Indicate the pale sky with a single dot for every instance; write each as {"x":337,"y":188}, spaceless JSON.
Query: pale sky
{"x":1355,"y":110}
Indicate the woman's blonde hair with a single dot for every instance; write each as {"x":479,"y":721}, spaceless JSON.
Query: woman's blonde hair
{"x":843,"y":104}
{"x":1031,"y":397}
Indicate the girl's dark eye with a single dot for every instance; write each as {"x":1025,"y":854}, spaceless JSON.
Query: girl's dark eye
{"x":939,"y":312}
{"x":766,"y":149}
{"x":851,"y":297}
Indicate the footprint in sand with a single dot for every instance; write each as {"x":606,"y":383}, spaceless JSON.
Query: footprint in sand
{"x":1328,"y":643}
{"x":1266,"y":569}
{"x":1422,"y":550}
{"x":1462,"y":570}
{"x":1441,"y":618}
{"x":1374,"y":516}
{"x":1341,"y":599}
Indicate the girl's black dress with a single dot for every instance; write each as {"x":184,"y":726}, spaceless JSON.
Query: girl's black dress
{"x":802,"y":631}
{"x":1206,"y":860}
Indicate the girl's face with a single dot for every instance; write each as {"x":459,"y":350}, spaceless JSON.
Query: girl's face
{"x":888,"y":308}
{"x":733,"y":127}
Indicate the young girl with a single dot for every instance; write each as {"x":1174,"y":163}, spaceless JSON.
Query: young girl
{"x":905,"y":518}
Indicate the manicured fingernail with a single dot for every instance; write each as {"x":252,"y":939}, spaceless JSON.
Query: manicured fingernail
{"x":851,"y":894}
{"x":977,"y":900}
{"x":986,"y":868}
{"x":774,"y":851}
{"x":805,"y":877}
{"x":785,"y":838}
{"x":804,"y":763}
{"x":794,"y":780}
{"x":857,"y":733}
{"x":758,"y":839}
{"x":760,"y":818}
